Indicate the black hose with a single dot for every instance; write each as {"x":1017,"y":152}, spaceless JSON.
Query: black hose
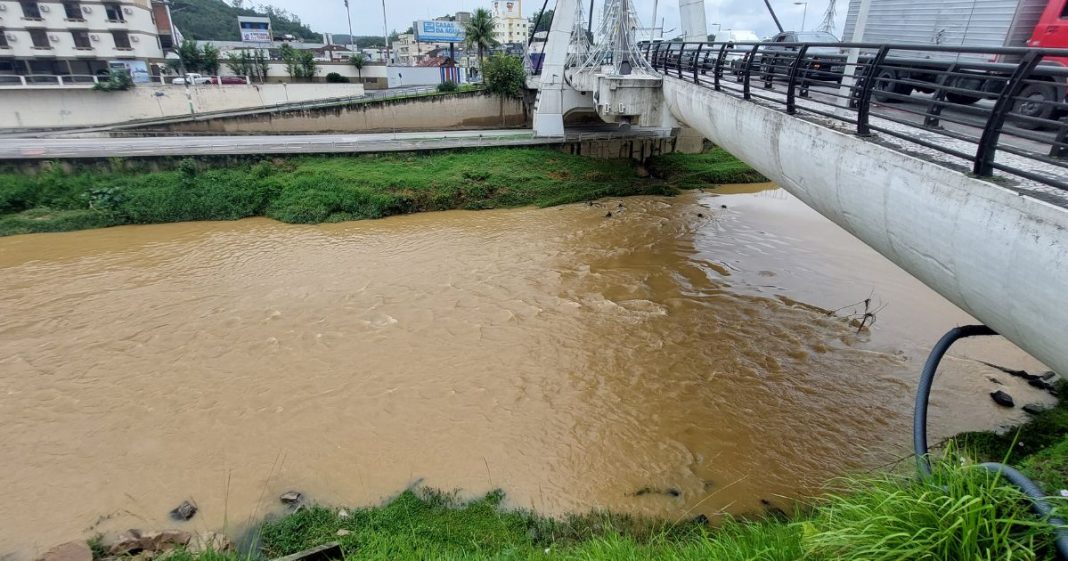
{"x":919,"y":435}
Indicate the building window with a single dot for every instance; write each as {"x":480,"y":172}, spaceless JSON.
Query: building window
{"x":73,"y":10}
{"x":122,"y":39}
{"x":114,"y":12}
{"x":3,"y":39}
{"x":40,"y":39}
{"x":30,"y":10}
{"x":81,"y":39}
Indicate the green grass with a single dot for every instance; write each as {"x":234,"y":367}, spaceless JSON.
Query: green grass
{"x":714,"y":166}
{"x":1039,"y":448}
{"x":315,"y":189}
{"x":962,"y":513}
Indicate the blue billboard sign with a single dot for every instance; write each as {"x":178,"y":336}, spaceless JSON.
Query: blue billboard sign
{"x":433,"y":31}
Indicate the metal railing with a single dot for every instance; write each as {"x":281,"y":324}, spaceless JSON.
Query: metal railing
{"x":997,"y":109}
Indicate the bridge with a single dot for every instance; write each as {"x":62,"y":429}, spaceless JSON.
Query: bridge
{"x":968,"y":197}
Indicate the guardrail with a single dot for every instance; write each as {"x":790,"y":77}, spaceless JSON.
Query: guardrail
{"x":973,"y":104}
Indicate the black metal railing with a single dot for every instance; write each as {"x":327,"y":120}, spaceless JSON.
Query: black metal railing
{"x":997,"y":109}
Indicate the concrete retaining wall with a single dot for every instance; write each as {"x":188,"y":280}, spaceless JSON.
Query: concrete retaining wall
{"x":1001,"y":257}
{"x":21,"y":108}
{"x":474,"y":110}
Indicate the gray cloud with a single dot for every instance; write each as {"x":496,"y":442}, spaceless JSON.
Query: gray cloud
{"x":329,"y":15}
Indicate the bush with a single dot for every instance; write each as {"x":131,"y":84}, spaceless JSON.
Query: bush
{"x":448,"y":86}
{"x":504,"y":75}
{"x":118,"y":81}
{"x":335,"y":78}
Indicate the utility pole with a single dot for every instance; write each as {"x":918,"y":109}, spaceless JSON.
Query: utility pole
{"x":652,"y":30}
{"x":385,"y":33}
{"x":352,"y":40}
{"x":773,"y":16}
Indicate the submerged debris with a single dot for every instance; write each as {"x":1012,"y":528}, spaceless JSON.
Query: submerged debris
{"x":291,"y":498}
{"x":184,"y":511}
{"x":1003,"y":399}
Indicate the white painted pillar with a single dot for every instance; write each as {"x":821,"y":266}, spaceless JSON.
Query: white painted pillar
{"x":692,"y":16}
{"x":549,"y":110}
{"x":848,"y":80}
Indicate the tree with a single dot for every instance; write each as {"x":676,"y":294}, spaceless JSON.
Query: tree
{"x":190,"y":56}
{"x":306,"y":65}
{"x":504,"y":75}
{"x":358,"y":61}
{"x":240,"y":64}
{"x":543,"y":24}
{"x":481,"y":33}
{"x":209,"y":59}
{"x":289,"y":57}
{"x":262,"y":64}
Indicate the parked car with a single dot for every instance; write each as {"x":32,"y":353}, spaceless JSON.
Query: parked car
{"x":227,"y":80}
{"x":192,"y":79}
{"x":825,"y":63}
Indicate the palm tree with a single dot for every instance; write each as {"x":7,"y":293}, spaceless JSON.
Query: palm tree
{"x":358,"y":61}
{"x":481,"y":32}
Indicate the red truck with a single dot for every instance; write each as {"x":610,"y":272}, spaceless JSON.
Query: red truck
{"x":975,"y":23}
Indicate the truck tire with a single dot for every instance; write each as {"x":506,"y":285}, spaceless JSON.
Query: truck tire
{"x":961,"y":99}
{"x":1031,"y":104}
{"x":884,"y":87}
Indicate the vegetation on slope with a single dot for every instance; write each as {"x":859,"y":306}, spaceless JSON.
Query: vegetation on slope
{"x":316,"y":189}
{"x":216,"y":20}
{"x":963,"y":513}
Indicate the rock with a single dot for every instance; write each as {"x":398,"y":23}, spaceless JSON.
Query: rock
{"x":126,"y":543}
{"x":70,"y":551}
{"x":1040,"y":384}
{"x":995,"y":380}
{"x":1033,"y":408}
{"x":701,"y":520}
{"x":184,"y":511}
{"x":1049,"y":375}
{"x":342,"y":513}
{"x":609,"y":215}
{"x":722,"y":206}
{"x":291,"y":498}
{"x":1003,"y":399}
{"x":700,"y":215}
{"x":210,"y":541}
{"x":673,"y":493}
{"x":165,"y":540}
{"x":343,"y":532}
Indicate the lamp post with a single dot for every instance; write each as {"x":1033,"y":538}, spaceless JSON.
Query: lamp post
{"x":385,"y":31}
{"x":719,"y":28}
{"x":804,"y":14}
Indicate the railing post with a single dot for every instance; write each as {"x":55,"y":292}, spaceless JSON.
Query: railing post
{"x":696,"y":68}
{"x":653,"y":53}
{"x":791,"y":85}
{"x":988,"y":143}
{"x":717,"y":72}
{"x":864,"y":103}
{"x":748,"y":73}
{"x":678,"y":61}
{"x":935,"y":109}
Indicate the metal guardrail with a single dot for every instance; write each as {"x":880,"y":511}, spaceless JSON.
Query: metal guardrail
{"x":974,"y":103}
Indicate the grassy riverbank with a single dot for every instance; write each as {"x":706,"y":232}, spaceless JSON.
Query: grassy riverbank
{"x":315,"y":189}
{"x":962,"y":513}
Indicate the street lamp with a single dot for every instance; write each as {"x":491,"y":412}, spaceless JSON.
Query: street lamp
{"x":804,"y":15}
{"x":352,"y":40}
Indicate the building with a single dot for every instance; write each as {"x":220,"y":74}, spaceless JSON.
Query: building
{"x":407,"y":51}
{"x":84,"y":38}
{"x":511,"y":26}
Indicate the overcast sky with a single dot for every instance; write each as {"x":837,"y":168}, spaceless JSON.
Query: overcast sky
{"x":329,"y":15}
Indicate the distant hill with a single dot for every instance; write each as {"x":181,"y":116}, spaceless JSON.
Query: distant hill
{"x":217,"y":20}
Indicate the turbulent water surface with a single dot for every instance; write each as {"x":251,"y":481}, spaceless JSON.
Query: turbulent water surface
{"x":572,"y":359}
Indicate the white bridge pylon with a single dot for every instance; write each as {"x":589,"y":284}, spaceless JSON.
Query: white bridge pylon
{"x":610,"y":76}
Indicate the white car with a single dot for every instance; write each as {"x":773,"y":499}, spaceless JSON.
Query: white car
{"x":192,"y":79}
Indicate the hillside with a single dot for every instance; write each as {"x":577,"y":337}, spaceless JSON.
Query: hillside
{"x":217,"y":20}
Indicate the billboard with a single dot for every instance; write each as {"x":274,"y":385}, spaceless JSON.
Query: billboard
{"x":255,"y":29}
{"x":433,"y":31}
{"x":138,"y":69}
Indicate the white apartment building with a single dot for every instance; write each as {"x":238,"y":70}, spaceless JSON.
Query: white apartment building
{"x":83,"y":37}
{"x":510,"y":24}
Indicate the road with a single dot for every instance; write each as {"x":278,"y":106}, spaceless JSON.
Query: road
{"x":95,"y":147}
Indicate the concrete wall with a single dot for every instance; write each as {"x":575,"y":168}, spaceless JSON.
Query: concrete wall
{"x":472,"y":110}
{"x":21,"y":108}
{"x":1001,"y":257}
{"x":405,"y":76}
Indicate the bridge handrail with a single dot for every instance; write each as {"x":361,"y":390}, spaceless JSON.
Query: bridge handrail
{"x":989,"y":106}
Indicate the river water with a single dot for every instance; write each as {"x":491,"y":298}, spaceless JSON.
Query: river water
{"x":569,"y":358}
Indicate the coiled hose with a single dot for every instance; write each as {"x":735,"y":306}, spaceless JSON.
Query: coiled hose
{"x":919,"y":435}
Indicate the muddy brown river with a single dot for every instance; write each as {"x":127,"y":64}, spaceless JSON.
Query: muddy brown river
{"x":568,"y":358}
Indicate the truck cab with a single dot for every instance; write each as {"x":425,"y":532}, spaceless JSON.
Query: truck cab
{"x":1052,"y":29}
